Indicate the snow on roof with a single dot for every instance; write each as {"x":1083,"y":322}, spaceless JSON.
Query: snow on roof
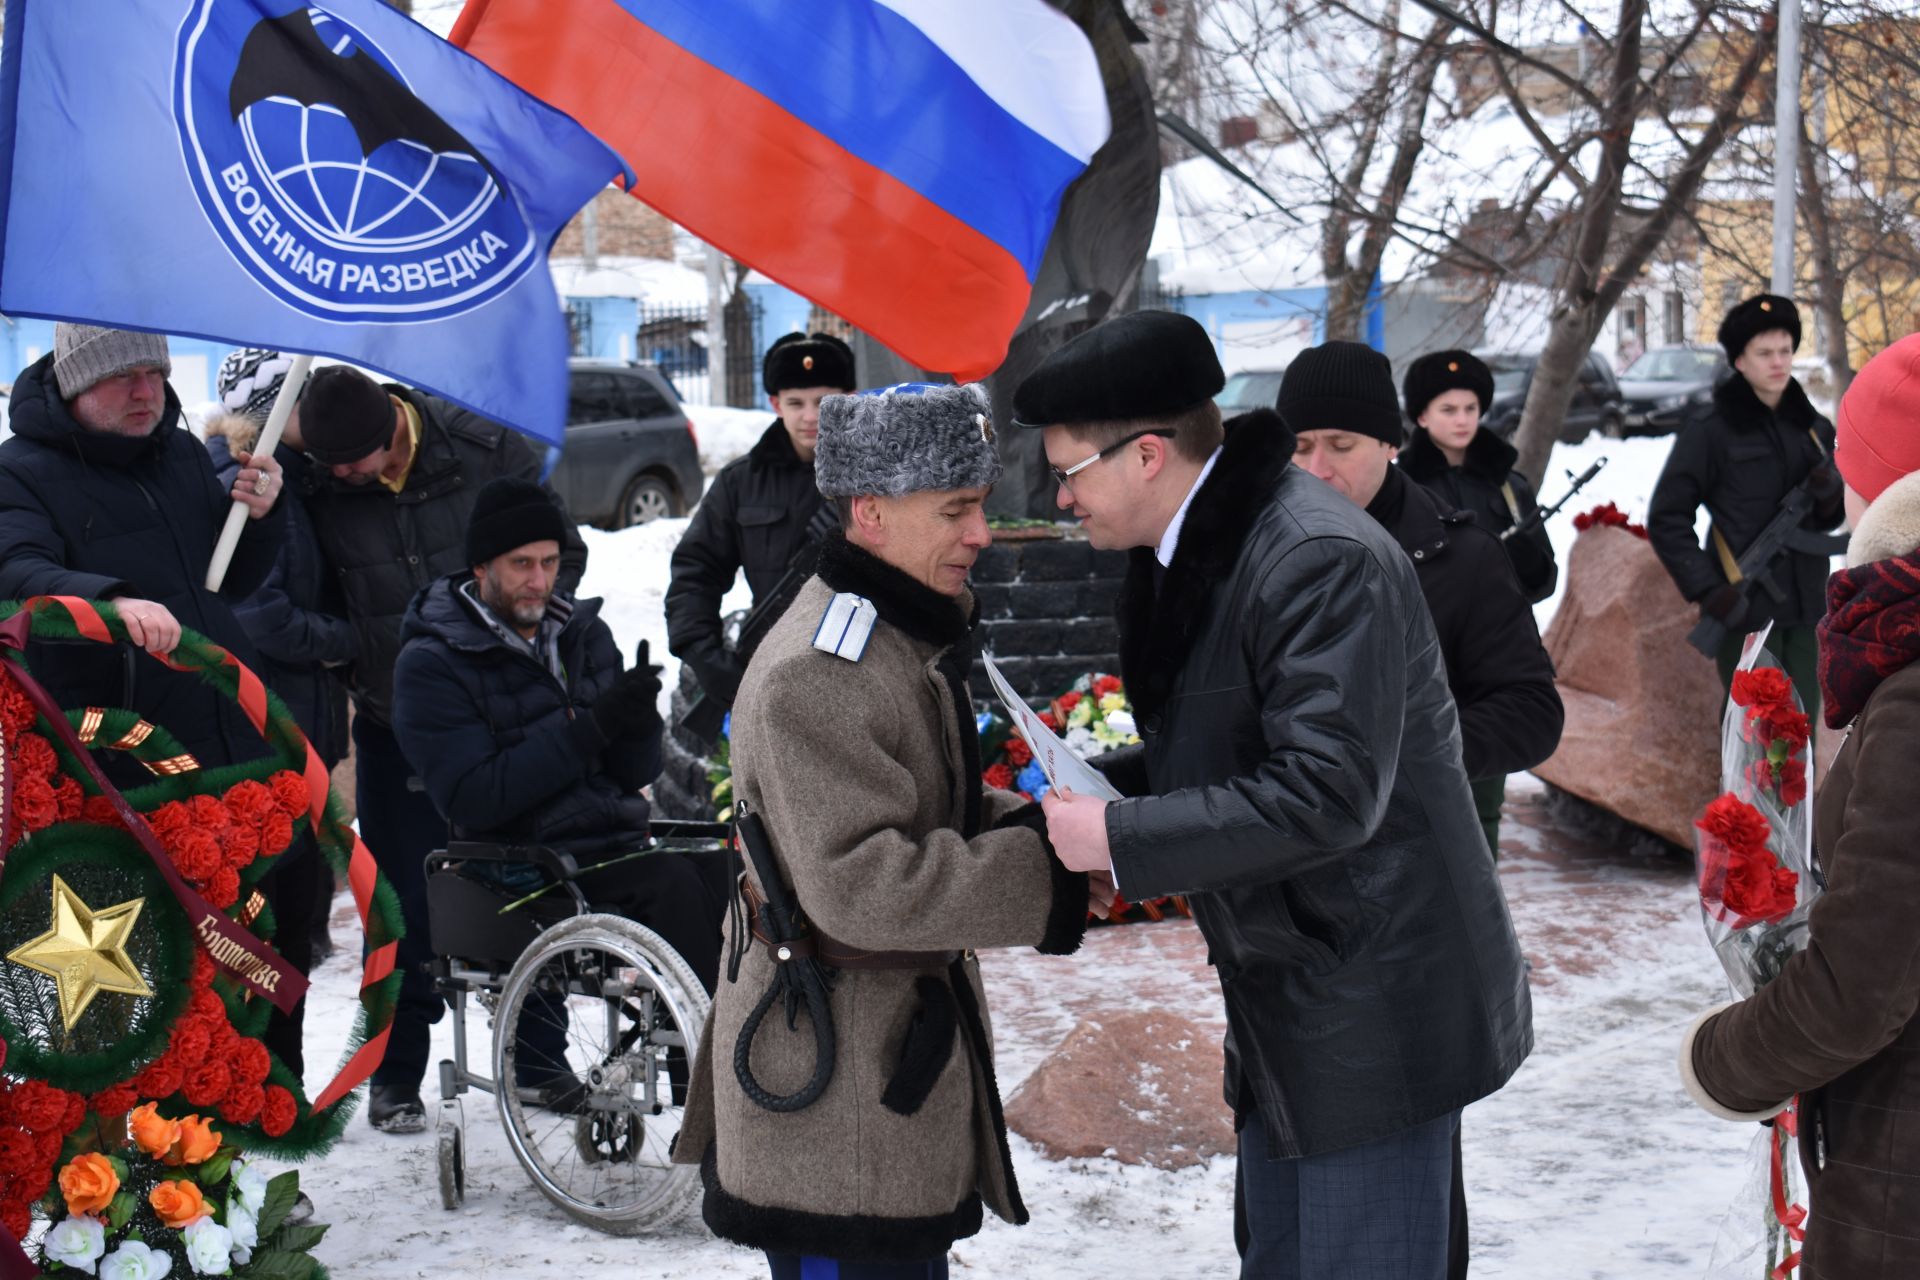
{"x":648,"y":280}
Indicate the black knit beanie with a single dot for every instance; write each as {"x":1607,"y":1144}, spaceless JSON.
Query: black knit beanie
{"x":1341,"y":386}
{"x":344,"y":416}
{"x":509,"y":513}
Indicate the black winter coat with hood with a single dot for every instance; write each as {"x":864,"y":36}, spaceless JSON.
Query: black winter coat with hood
{"x":385,"y":547}
{"x":98,"y":516}
{"x":507,"y":750}
{"x":296,"y":619}
{"x":1740,"y":458}
{"x":753,"y":518}
{"x":1499,"y":672}
{"x":1300,"y":776}
{"x":1475,"y":486}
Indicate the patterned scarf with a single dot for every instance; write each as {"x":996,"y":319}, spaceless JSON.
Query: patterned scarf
{"x":1872,"y":629}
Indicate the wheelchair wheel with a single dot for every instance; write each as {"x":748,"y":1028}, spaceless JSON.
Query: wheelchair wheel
{"x":592,"y":1048}
{"x":451,"y":1155}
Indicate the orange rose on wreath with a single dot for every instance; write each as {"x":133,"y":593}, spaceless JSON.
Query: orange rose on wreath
{"x":197,"y":1142}
{"x":89,"y":1183}
{"x":178,"y":1202}
{"x":152,"y":1132}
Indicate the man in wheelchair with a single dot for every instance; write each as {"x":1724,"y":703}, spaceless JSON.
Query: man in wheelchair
{"x":511,"y":704}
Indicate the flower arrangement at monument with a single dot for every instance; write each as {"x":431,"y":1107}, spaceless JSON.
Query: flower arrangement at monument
{"x":137,"y":976}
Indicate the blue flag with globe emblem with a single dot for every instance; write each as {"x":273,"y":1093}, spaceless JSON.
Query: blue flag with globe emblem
{"x":326,"y":178}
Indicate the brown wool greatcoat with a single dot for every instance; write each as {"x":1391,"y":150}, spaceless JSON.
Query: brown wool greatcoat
{"x":867,"y":776}
{"x":1841,"y":1024}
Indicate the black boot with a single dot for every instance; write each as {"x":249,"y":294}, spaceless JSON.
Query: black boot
{"x":396,"y":1108}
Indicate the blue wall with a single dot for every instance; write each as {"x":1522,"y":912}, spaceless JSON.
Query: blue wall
{"x":1218,"y":310}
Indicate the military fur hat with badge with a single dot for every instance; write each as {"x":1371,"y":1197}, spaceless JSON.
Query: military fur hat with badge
{"x":1763,"y":313}
{"x":801,"y":360}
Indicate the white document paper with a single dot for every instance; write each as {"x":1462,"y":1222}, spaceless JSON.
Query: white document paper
{"x":1062,"y":767}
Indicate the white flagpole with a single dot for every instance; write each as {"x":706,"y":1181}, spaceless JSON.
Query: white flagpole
{"x":264,"y":447}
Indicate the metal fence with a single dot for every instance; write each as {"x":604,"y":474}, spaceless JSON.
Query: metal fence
{"x":674,"y":339}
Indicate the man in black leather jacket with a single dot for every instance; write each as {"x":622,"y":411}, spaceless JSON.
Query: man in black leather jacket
{"x":755,"y":515}
{"x":1301,"y":779}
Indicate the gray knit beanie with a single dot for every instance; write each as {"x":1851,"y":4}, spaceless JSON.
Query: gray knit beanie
{"x":84,"y":354}
{"x":905,"y":439}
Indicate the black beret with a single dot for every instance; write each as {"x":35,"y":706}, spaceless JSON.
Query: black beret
{"x":1147,"y":364}
{"x":344,"y":416}
{"x":1341,"y":386}
{"x":1438,"y":372}
{"x":807,"y":360}
{"x":1763,"y":313}
{"x":509,"y":512}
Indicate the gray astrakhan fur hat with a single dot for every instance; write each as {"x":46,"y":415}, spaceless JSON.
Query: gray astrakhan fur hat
{"x":905,"y":439}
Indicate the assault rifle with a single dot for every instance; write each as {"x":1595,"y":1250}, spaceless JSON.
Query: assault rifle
{"x":1543,"y":514}
{"x":706,"y":713}
{"x":1782,"y":533}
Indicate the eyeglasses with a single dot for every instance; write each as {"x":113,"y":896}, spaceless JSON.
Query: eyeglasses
{"x":1065,"y":478}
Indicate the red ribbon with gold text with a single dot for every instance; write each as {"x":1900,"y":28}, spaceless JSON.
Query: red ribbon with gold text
{"x":1791,"y":1216}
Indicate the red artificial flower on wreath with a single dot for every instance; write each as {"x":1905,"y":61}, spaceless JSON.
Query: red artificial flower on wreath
{"x":115,"y":1101}
{"x":207,"y":1084}
{"x":100,"y":811}
{"x":170,"y":821}
{"x":34,"y":802}
{"x":16,"y":1215}
{"x":222,"y":889}
{"x":34,"y":755}
{"x":38,"y":1107}
{"x":68,"y":798}
{"x":197,"y":854}
{"x":998,"y":776}
{"x":1106,"y":685}
{"x":243,"y":1103}
{"x":160,"y":1078}
{"x":278,"y":1111}
{"x":17,"y":715}
{"x":276,"y":833}
{"x":208,"y":813}
{"x":1019,"y":754}
{"x":203,"y":971}
{"x":19,"y":1154}
{"x":191,"y":1041}
{"x":1050,"y":720}
{"x":251,"y":803}
{"x":290,"y":793}
{"x":241,"y":843}
{"x":1067,"y":702}
{"x":251,"y":1061}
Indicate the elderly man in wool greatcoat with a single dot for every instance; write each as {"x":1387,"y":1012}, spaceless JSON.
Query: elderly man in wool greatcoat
{"x":854,"y":743}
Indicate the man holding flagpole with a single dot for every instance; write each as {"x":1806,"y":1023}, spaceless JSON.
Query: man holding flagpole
{"x":105,"y":495}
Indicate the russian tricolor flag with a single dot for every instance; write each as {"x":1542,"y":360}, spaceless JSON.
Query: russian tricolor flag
{"x":900,"y":162}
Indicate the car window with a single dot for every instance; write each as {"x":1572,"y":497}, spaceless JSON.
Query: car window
{"x":594,"y":397}
{"x":1673,"y":364}
{"x":1509,"y":372}
{"x":641,"y":399}
{"x":1592,"y":374}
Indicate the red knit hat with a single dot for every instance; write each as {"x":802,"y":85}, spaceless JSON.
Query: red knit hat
{"x":1878,"y":434}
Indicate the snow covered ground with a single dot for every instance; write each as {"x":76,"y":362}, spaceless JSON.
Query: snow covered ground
{"x":1591,"y":1163}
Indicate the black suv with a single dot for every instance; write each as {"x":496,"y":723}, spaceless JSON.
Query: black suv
{"x":631,"y":455}
{"x":1665,"y":383}
{"x":1597,"y":404}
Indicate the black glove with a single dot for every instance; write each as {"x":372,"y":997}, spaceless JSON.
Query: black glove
{"x":1823,"y":483}
{"x":631,"y":704}
{"x":1723,"y":602}
{"x":720,"y":673}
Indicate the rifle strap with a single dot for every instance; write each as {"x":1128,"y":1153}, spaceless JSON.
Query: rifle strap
{"x":1728,"y":565}
{"x":1513,"y":503}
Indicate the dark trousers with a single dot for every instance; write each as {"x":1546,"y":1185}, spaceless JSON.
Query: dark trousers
{"x":679,"y":895}
{"x":1372,"y":1212}
{"x":1457,"y":1243}
{"x":1489,"y":794}
{"x":400,"y":827}
{"x":299,"y":889}
{"x":785,"y":1266}
{"x":1798,"y":652}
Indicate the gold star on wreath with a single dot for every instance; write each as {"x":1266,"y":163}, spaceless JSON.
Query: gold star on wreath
{"x":85,"y":951}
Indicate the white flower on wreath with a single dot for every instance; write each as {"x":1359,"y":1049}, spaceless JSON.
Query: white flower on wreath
{"x":76,"y":1242}
{"x":244,"y":1224}
{"x":134,"y":1261}
{"x":1081,"y":742}
{"x":209,"y":1248}
{"x":250,"y":1182}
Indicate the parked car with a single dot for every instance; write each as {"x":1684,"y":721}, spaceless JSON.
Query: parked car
{"x":631,"y":454}
{"x":1249,"y":389}
{"x":1597,"y":404}
{"x":1666,"y":382}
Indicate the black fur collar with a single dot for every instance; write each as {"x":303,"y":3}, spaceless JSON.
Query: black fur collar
{"x":1488,"y":456}
{"x":1743,"y":411}
{"x":1157,"y":633}
{"x":774,"y":449}
{"x":901,"y":600}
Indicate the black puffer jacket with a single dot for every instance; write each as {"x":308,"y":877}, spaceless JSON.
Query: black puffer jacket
{"x":1740,"y":458}
{"x":505,"y":749}
{"x":1303,"y":779}
{"x":754,"y":517}
{"x":1499,"y":672}
{"x":384,"y":547}
{"x":1475,"y":487}
{"x":296,"y":619}
{"x":84,"y":513}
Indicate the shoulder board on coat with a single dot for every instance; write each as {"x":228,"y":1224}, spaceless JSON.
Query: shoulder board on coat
{"x":845,"y":626}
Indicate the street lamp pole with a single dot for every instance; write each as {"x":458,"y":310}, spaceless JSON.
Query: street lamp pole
{"x":1786,"y":144}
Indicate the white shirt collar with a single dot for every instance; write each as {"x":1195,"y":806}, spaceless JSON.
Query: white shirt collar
{"x":1171,"y":538}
